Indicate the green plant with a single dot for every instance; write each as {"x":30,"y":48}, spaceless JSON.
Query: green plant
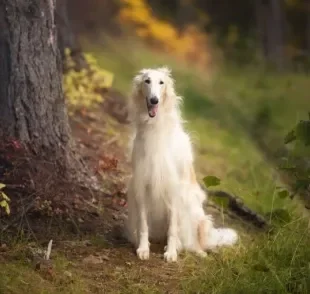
{"x":84,"y":88}
{"x":213,"y":181}
{"x":296,"y":163}
{"x":301,"y":133}
{"x":4,"y":200}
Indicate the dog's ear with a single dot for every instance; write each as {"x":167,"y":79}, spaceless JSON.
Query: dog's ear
{"x":165,"y":70}
{"x":138,"y":78}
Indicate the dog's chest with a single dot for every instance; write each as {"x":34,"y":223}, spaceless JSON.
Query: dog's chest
{"x":158,"y":158}
{"x":155,"y":148}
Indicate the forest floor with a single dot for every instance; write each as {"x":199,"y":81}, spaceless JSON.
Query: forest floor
{"x":93,"y":256}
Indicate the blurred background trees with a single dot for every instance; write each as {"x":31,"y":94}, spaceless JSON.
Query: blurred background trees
{"x":276,"y":30}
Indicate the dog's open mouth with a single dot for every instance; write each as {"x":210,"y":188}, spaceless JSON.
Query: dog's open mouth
{"x":152,"y":110}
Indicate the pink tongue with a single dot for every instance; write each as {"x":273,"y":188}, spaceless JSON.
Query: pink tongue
{"x":153,"y":111}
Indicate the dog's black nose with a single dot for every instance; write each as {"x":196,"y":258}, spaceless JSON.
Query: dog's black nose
{"x":154,"y":100}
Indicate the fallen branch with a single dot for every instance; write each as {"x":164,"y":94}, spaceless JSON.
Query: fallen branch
{"x":236,"y":205}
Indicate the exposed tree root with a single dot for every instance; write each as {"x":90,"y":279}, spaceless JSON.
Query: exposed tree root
{"x":237,"y":207}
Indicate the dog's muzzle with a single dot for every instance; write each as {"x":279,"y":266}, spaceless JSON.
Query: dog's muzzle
{"x":152,"y":106}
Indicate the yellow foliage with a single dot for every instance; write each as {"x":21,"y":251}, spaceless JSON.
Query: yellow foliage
{"x":190,"y":44}
{"x":84,"y":88}
{"x":4,"y":200}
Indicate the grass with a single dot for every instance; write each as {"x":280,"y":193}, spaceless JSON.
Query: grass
{"x":275,"y":264}
{"x":16,"y":276}
{"x":232,"y":116}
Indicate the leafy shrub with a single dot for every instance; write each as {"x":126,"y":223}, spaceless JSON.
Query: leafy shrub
{"x":85,"y":88}
{"x":297,"y":162}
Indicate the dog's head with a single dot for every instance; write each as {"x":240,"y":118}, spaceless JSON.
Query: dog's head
{"x":152,"y":87}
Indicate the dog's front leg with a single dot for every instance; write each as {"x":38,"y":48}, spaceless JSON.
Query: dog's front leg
{"x":171,"y":253}
{"x":143,"y":250}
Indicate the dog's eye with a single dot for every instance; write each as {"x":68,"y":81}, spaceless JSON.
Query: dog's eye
{"x":161,"y":82}
{"x":148,"y":81}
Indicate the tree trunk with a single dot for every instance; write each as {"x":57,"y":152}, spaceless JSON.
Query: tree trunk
{"x":185,"y":13}
{"x":66,"y":36}
{"x":32,"y":107}
{"x":276,"y":33}
{"x":307,"y":3}
{"x":260,"y":12}
{"x":270,"y":27}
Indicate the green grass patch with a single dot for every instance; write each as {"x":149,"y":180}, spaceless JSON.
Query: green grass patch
{"x":274,"y":264}
{"x":18,"y":275}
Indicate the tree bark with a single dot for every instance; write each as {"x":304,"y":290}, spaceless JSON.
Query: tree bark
{"x":32,"y":107}
{"x":66,"y":36}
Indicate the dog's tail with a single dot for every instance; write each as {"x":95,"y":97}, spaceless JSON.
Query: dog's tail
{"x":210,"y":237}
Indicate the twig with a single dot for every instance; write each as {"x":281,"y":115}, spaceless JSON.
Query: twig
{"x":14,"y":186}
{"x":49,"y":250}
{"x":112,"y":140}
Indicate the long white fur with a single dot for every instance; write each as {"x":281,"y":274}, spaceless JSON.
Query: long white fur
{"x":165,"y":202}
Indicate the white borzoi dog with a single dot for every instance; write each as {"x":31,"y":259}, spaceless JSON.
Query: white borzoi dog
{"x":165,"y":201}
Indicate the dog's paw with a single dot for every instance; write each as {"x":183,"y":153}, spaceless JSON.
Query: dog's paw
{"x":201,"y":253}
{"x":143,"y":253}
{"x":171,"y":256}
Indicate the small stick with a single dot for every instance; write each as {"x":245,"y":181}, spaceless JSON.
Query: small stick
{"x":49,"y":250}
